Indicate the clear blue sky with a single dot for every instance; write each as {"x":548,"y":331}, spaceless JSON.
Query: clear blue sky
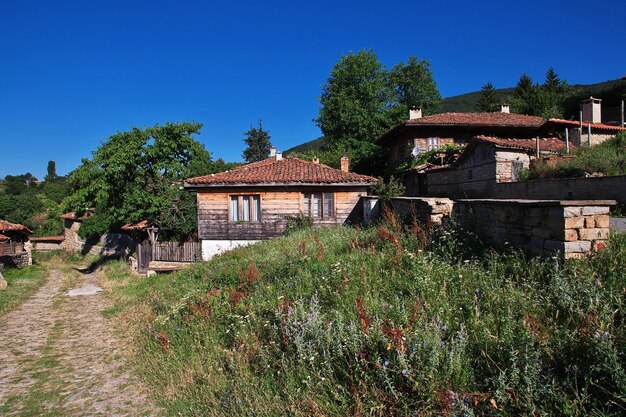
{"x":74,"y":73}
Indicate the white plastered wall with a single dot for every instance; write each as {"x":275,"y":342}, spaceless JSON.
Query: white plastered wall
{"x":211,"y":248}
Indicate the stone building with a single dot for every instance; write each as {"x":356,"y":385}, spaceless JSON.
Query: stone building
{"x":254,"y":202}
{"x":485,"y":161}
{"x":15,"y":245}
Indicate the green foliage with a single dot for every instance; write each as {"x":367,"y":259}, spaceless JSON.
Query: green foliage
{"x":314,"y":145}
{"x":415,"y":86}
{"x":19,"y":208}
{"x":361,"y":100}
{"x":22,"y":283}
{"x":388,"y":190}
{"x":389,"y":320}
{"x":51,"y":171}
{"x":137,"y":175}
{"x":20,"y":184}
{"x":258,"y":144}
{"x":607,"y":158}
{"x":298,"y":222}
{"x":488,"y":101}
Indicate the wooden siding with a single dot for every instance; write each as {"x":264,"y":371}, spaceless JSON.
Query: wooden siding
{"x":214,"y":216}
{"x":177,"y":252}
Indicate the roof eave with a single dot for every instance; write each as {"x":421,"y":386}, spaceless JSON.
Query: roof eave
{"x":192,"y":187}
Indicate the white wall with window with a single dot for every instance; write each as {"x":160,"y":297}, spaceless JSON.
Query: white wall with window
{"x":319,"y":205}
{"x":245,"y":208}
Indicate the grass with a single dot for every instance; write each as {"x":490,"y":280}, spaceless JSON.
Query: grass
{"x":607,"y":158}
{"x":22,"y":283}
{"x":390,"y":320}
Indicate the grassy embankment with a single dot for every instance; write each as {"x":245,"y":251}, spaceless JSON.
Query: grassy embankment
{"x":22,"y":283}
{"x":607,"y":158}
{"x":381,"y":321}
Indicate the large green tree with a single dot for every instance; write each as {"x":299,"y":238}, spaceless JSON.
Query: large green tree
{"x":547,"y":100}
{"x":258,"y":144}
{"x":137,"y":175}
{"x":488,"y":101}
{"x":415,"y":86}
{"x":357,"y":105}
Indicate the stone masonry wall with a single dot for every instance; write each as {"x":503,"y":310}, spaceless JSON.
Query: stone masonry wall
{"x":426,"y":210}
{"x":540,"y":227}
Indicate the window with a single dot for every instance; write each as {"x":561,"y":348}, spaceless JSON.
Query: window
{"x":319,"y":205}
{"x":245,"y":208}
{"x":433,"y":143}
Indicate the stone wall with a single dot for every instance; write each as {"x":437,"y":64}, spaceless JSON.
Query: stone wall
{"x":576,"y":137}
{"x":539,"y":227}
{"x":47,"y":246}
{"x":571,"y":228}
{"x":19,"y":260}
{"x":110,"y":244}
{"x":424,"y":209}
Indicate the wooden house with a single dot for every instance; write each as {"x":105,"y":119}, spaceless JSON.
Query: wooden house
{"x":15,"y":246}
{"x":254,"y":202}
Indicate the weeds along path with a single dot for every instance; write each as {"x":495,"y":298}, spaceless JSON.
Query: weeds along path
{"x":59,"y":355}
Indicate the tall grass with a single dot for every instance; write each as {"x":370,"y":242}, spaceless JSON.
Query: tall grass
{"x":390,"y":320}
{"x":607,"y":158}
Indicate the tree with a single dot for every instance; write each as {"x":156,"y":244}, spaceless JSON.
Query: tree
{"x":524,"y":96}
{"x":52,"y":171}
{"x":415,"y":86}
{"x":258,"y":144}
{"x":137,"y":175}
{"x":552,"y":96}
{"x":488,"y":101}
{"x":357,"y":105}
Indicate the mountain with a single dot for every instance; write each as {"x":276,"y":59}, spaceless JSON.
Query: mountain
{"x":306,"y":146}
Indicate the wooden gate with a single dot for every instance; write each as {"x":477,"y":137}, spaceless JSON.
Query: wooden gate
{"x":177,"y":252}
{"x":144,"y":256}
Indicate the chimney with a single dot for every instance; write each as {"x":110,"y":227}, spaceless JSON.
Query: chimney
{"x":415,"y":113}
{"x":316,"y":160}
{"x":279,"y":156}
{"x":505,"y":108}
{"x":272,"y":152}
{"x":345,"y":164}
{"x":592,"y":110}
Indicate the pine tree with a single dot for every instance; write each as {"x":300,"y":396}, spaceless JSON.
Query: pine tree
{"x":258,"y":142}
{"x":488,"y":101}
{"x":524,"y":99}
{"x":52,"y":171}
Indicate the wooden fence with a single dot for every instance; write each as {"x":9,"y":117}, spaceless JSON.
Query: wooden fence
{"x":177,"y":252}
{"x":11,"y":248}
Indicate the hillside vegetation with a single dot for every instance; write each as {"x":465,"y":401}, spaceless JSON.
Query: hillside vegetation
{"x":389,"y":320}
{"x":607,"y":158}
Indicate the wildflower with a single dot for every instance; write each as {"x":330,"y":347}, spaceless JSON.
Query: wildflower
{"x":404,"y":372}
{"x":386,"y":363}
{"x":178,"y":329}
{"x":477,"y":293}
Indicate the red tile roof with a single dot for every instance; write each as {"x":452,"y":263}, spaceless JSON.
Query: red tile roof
{"x":3,"y":238}
{"x":13,"y":227}
{"x":272,"y":171}
{"x":138,"y":225}
{"x":585,"y":124}
{"x":478,"y":119}
{"x":53,"y":239}
{"x":545,"y":144}
{"x":72,"y":215}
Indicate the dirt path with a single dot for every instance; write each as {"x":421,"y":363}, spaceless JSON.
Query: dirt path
{"x":60,"y":355}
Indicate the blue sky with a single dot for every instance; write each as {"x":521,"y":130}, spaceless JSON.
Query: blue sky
{"x":74,"y":73}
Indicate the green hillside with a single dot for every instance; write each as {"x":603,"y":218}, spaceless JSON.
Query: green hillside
{"x":311,"y":145}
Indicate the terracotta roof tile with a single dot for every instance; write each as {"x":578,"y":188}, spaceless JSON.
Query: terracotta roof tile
{"x":54,"y":239}
{"x":545,"y":144}
{"x":3,"y":238}
{"x":138,"y":225}
{"x":72,"y":215}
{"x":13,"y":227}
{"x":478,"y":119}
{"x":585,"y":124}
{"x":272,"y":171}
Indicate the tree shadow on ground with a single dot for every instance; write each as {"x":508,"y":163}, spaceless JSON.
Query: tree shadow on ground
{"x":97,"y":264}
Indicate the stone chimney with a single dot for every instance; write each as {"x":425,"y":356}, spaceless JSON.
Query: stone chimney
{"x":505,"y":108}
{"x":316,"y":160}
{"x":592,"y":110}
{"x":272,"y":151}
{"x":415,"y":113}
{"x":279,"y":156}
{"x":345,"y":164}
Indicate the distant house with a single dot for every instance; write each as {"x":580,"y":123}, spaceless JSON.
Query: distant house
{"x":421,"y":134}
{"x":15,"y":246}
{"x":72,"y":242}
{"x":253,"y":202}
{"x":484,"y":162}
